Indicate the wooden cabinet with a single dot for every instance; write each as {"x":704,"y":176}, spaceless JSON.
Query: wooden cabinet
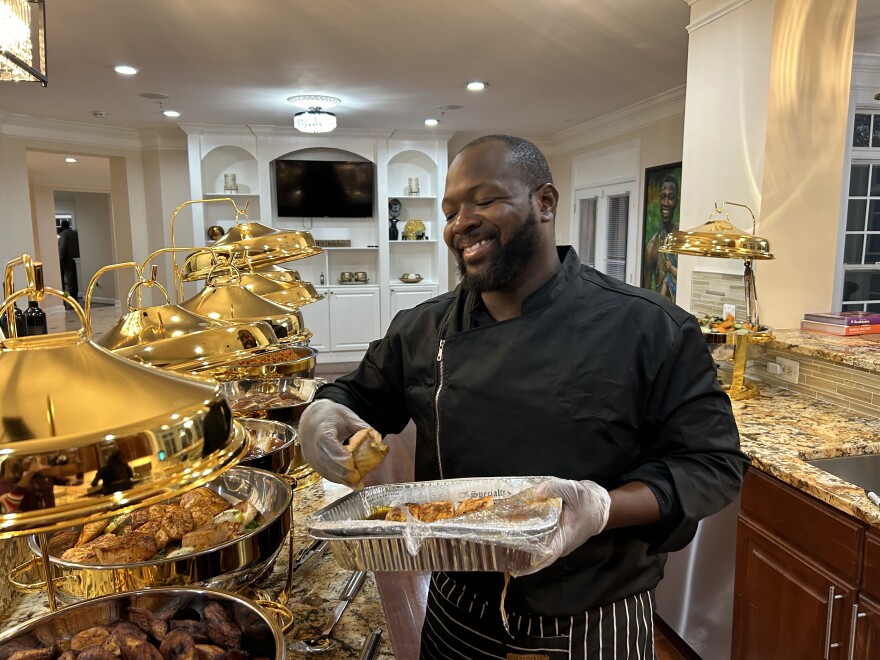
{"x":409,"y":295}
{"x":799,"y":565}
{"x":354,"y":317}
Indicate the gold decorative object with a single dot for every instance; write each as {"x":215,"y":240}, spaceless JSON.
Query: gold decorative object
{"x":63,"y":394}
{"x":412,"y":228}
{"x":719,"y":238}
{"x":279,"y":273}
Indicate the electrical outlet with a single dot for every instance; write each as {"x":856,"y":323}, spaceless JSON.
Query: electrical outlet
{"x":790,"y":369}
{"x":728,"y":309}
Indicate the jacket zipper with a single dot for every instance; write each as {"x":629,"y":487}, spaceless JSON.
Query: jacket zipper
{"x":437,"y":405}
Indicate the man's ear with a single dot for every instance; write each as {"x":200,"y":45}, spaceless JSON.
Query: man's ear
{"x":547,"y":197}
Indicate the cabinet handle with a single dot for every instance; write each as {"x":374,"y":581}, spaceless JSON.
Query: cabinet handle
{"x":856,"y":615}
{"x":829,"y":617}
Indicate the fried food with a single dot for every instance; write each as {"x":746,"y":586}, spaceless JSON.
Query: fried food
{"x":91,"y":531}
{"x":148,"y":622}
{"x":60,"y":542}
{"x":367,"y":449}
{"x":178,"y":645}
{"x":211,"y":535}
{"x":94,"y":636}
{"x":96,"y":653}
{"x":127,"y":549}
{"x":34,"y":654}
{"x":221,"y":628}
{"x":203,"y":504}
{"x":472,"y":504}
{"x":438,"y":510}
{"x":434,"y":511}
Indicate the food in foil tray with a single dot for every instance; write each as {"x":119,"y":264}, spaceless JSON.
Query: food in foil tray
{"x":174,"y":631}
{"x":199,"y":520}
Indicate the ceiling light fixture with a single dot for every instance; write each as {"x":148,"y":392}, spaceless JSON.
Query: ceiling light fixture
{"x":70,"y":159}
{"x":431,"y":122}
{"x":315,"y":119}
{"x":23,"y":41}
{"x":477,"y":85}
{"x":171,"y":113}
{"x":125,"y":69}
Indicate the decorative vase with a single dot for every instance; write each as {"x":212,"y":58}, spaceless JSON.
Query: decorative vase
{"x":393,"y":234}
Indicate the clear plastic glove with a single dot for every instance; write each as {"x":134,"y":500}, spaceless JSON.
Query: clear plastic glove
{"x":322,"y":429}
{"x":585,"y":509}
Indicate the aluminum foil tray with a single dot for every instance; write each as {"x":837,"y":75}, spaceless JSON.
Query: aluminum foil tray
{"x":469,"y":543}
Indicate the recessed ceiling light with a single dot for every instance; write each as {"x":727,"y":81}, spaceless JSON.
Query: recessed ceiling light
{"x":125,"y":69}
{"x":477,"y":85}
{"x":309,"y":101}
{"x":432,"y":122}
{"x":171,"y":113}
{"x":70,"y":159}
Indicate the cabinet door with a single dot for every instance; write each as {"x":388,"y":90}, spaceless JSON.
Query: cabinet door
{"x":783,"y":602}
{"x":866,"y":630}
{"x":317,"y":319}
{"x":354,"y":318}
{"x":409,"y":297}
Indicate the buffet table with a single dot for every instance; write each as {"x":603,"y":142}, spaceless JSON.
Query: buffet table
{"x":315,"y":588}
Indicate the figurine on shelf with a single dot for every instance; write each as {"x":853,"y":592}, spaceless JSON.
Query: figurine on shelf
{"x":394,"y":208}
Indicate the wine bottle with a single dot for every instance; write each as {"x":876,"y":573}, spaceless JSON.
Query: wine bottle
{"x":20,"y":326}
{"x":35,"y":319}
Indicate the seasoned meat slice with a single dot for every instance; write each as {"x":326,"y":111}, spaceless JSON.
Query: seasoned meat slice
{"x":91,"y":531}
{"x":474,"y":504}
{"x":204,"y":499}
{"x":88,"y":554}
{"x":148,"y":622}
{"x":127,"y":549}
{"x":434,"y":511}
{"x":177,"y":521}
{"x":178,"y":645}
{"x":89,"y":637}
{"x":154,"y":528}
{"x":211,"y":535}
{"x":61,"y":541}
{"x":221,"y":628}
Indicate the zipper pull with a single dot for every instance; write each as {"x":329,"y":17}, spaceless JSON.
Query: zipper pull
{"x":440,"y":351}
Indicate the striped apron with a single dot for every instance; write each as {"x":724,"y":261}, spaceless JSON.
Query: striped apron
{"x":458,"y":625}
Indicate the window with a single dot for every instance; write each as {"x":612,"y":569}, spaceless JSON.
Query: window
{"x":861,"y":240}
{"x":603,"y":220}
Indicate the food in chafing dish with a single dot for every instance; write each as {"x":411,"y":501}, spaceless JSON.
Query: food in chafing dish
{"x":367,"y":449}
{"x":175,"y":631}
{"x":199,"y":520}
{"x":260,"y":447}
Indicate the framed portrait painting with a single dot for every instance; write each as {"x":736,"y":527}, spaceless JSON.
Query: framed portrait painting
{"x":660,"y":216}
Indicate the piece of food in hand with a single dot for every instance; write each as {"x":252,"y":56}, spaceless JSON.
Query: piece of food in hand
{"x":367,"y":449}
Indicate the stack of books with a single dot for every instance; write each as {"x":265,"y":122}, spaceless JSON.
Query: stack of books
{"x":842,"y":323}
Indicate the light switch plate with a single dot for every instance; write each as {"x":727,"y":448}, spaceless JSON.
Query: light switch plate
{"x":728,"y":309}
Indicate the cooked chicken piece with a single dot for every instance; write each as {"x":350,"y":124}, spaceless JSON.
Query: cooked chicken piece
{"x":96,"y":653}
{"x":221,"y":628}
{"x":204,"y":499}
{"x":155,"y":529}
{"x":210,"y":652}
{"x":434,"y":511}
{"x":88,"y":554}
{"x":397,"y":514}
{"x":178,"y":645}
{"x":248,"y":511}
{"x":148,"y":622}
{"x":195,"y":629}
{"x":474,"y":504}
{"x":207,"y":537}
{"x":61,"y":541}
{"x":367,"y":449}
{"x":91,"y":531}
{"x":127,"y":549}
{"x":34,"y":654}
{"x":89,"y":637}
{"x":141,"y":516}
{"x":177,"y":521}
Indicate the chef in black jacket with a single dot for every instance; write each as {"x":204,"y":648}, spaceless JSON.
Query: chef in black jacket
{"x":537,"y":364}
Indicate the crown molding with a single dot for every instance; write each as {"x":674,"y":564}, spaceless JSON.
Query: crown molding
{"x":163,"y":141}
{"x":67,"y":132}
{"x":639,"y":115}
{"x":722,"y":9}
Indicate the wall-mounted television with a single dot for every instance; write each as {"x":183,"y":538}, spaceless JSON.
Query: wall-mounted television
{"x":323,"y":189}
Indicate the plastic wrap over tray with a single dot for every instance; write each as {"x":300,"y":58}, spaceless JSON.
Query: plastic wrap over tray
{"x":513,"y":534}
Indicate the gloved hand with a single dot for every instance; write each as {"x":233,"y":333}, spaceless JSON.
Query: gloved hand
{"x":323,"y":427}
{"x":585,"y":509}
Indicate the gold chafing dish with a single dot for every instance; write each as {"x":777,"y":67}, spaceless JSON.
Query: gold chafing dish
{"x":230,"y":565}
{"x":286,"y":362}
{"x":260,"y":634}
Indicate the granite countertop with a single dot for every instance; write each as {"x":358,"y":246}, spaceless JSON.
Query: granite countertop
{"x":862,"y":351}
{"x":781,"y":429}
{"x":315,"y":588}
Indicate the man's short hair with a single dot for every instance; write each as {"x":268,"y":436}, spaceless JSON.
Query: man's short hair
{"x":670,"y":178}
{"x":65,"y":224}
{"x":525,"y":157}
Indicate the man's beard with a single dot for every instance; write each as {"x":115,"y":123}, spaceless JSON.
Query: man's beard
{"x":503,"y":268}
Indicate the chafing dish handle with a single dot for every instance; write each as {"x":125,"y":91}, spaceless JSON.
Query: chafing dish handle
{"x":33,"y":587}
{"x":371,"y":645}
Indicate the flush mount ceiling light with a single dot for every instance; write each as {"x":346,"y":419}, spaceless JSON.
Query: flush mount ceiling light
{"x":315,"y":119}
{"x":431,"y":122}
{"x":125,"y":69}
{"x":23,"y":41}
{"x":70,"y":159}
{"x":477,"y":85}
{"x":171,"y":113}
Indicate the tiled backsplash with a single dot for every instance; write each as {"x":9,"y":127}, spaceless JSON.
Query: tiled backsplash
{"x":711,"y":291}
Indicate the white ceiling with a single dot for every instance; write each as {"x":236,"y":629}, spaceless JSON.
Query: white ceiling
{"x":550,"y":64}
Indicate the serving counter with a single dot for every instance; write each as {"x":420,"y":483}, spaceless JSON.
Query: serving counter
{"x":315,"y":588}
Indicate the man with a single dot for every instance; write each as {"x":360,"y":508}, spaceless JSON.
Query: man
{"x":68,"y":250}
{"x":661,"y":270}
{"x":539,"y":365}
